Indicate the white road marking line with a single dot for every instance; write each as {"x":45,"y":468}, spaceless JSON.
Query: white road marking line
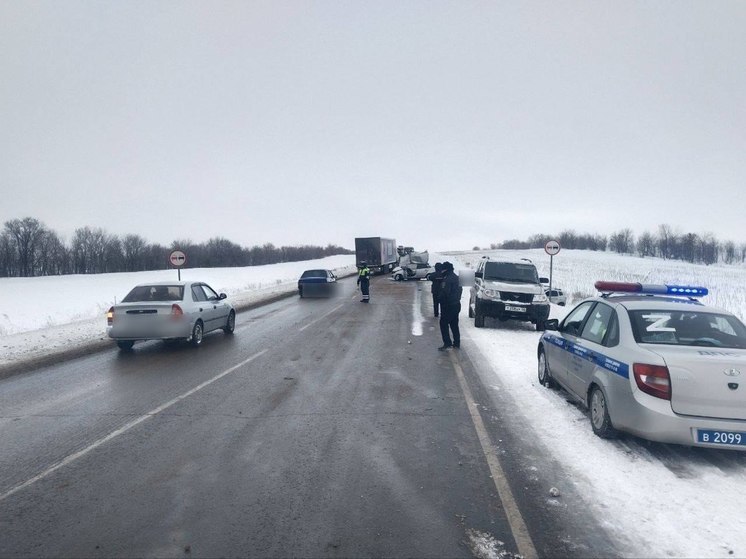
{"x":72,"y":457}
{"x":417,"y":317}
{"x":322,"y":317}
{"x":515,"y":519}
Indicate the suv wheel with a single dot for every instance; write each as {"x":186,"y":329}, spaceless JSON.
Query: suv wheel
{"x":478,"y":315}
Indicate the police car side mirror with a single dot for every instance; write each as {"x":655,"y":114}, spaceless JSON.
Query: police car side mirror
{"x":551,"y":324}
{"x":477,"y":274}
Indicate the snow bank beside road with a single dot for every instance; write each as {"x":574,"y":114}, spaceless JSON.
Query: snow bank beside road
{"x":53,"y":315}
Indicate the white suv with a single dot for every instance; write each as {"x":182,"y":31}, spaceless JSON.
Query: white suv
{"x":556,"y":296}
{"x":508,"y":289}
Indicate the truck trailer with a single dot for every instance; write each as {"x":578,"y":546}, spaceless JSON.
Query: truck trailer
{"x":378,"y":252}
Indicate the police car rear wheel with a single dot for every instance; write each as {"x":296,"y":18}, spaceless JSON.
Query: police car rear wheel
{"x":600,"y":420}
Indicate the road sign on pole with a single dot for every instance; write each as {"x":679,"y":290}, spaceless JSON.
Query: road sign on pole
{"x":178,"y":259}
{"x":551,"y":248}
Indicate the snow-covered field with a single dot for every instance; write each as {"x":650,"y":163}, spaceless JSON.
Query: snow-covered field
{"x":659,"y":500}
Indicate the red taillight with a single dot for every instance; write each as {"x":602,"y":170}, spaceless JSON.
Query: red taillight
{"x":176,"y":312}
{"x":110,"y":316}
{"x":653,"y":380}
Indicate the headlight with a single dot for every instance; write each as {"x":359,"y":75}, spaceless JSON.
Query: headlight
{"x":541,"y":298}
{"x":491,"y":294}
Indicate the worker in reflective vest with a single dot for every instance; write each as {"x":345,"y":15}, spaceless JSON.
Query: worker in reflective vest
{"x":363,"y":280}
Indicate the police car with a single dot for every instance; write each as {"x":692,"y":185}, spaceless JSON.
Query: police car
{"x":653,"y":361}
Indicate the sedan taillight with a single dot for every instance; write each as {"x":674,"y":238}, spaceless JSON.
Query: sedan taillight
{"x":653,"y":380}
{"x":176,"y":312}
{"x":110,"y":316}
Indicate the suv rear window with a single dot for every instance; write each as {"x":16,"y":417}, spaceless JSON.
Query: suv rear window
{"x":689,"y":328}
{"x":511,"y":271}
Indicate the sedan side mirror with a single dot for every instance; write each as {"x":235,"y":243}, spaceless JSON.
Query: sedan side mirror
{"x":478,"y":274}
{"x":544,"y":280}
{"x":551,"y":324}
{"x":222,"y":296}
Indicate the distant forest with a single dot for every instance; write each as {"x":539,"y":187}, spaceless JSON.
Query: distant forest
{"x":28,"y":248}
{"x":665,"y":243}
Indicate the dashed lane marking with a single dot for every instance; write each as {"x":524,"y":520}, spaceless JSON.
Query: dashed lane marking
{"x":323,"y":316}
{"x":114,"y":434}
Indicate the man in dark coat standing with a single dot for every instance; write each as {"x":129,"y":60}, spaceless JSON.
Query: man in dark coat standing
{"x":436,"y":278}
{"x":450,"y":307}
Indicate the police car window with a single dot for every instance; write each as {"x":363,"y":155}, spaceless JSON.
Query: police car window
{"x":689,"y":328}
{"x":574,"y":321}
{"x":612,"y":336}
{"x":597,"y":324}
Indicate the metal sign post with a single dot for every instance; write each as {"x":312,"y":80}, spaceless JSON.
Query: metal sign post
{"x":178,"y":259}
{"x":551,"y":248}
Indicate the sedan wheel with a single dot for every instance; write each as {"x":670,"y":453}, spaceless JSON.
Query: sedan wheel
{"x":600,"y":420}
{"x":197,"y":334}
{"x":545,"y":377}
{"x":230,"y":326}
{"x":125,"y":345}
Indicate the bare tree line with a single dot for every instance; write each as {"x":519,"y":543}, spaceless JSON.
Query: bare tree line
{"x":665,"y":243}
{"x":28,"y":248}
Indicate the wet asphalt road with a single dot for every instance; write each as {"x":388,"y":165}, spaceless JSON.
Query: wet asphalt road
{"x":322,"y":428}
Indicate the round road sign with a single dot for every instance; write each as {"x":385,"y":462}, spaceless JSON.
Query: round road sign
{"x":177,"y":258}
{"x":552,"y":248}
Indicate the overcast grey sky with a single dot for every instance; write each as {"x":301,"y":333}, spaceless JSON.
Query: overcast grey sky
{"x":443,"y":124}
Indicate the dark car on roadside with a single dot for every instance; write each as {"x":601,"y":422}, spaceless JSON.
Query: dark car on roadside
{"x":317,"y":283}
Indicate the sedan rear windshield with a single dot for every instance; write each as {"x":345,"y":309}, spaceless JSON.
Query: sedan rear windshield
{"x":314,"y":274}
{"x":510,"y":271}
{"x":148,"y":293}
{"x":689,"y":328}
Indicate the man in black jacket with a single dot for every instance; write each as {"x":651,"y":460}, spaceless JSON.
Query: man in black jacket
{"x":450,"y":307}
{"x":436,"y":278}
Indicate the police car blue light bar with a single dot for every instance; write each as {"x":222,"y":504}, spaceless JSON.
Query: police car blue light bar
{"x":650,"y":289}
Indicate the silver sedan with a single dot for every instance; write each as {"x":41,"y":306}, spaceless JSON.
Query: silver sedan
{"x":652,"y":363}
{"x":169,"y":311}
